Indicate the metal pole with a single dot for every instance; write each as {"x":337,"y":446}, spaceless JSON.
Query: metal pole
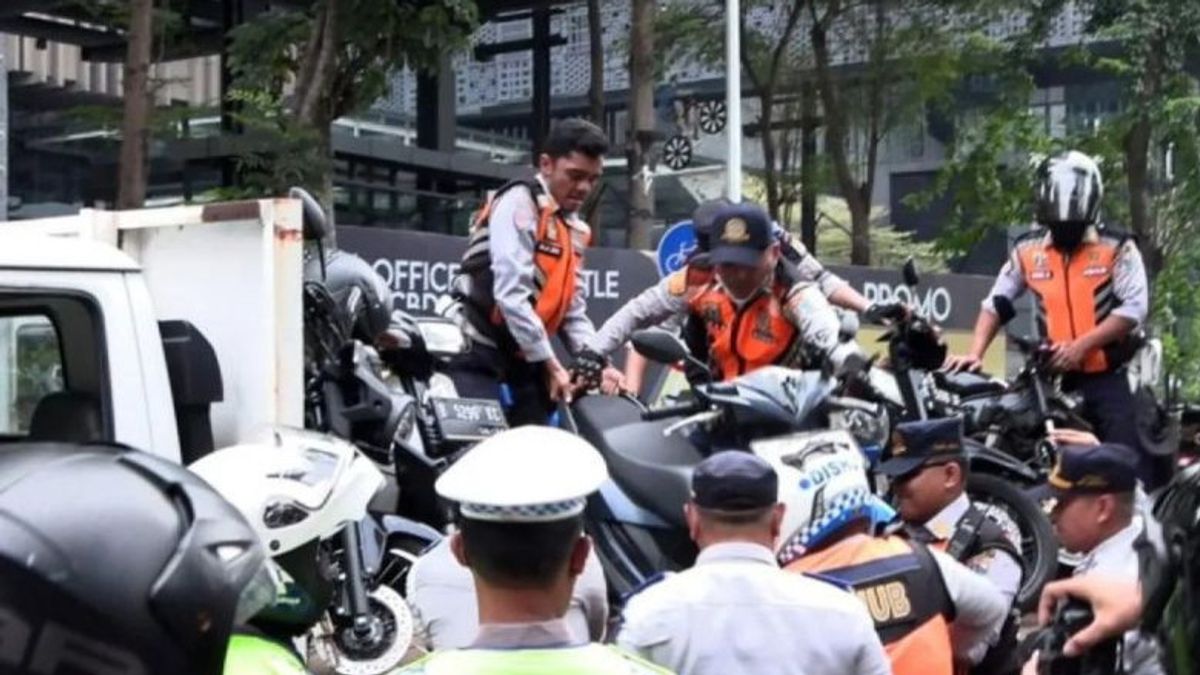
{"x":733,"y":100}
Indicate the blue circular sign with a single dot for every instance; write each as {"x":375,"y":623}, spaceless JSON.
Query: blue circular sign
{"x":675,"y":247}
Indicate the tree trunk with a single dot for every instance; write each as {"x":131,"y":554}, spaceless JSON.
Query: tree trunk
{"x":771,"y":167}
{"x":135,"y":125}
{"x":808,"y":169}
{"x":836,"y":135}
{"x":596,"y":58}
{"x":641,"y":122}
{"x":1137,"y":172}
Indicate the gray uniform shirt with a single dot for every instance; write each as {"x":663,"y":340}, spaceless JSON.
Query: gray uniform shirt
{"x":737,"y":612}
{"x":1116,"y":558}
{"x":667,"y":301}
{"x":1129,"y":281}
{"x":512,"y":229}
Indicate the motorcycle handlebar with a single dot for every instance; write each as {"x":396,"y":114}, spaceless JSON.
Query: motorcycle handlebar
{"x":680,"y":410}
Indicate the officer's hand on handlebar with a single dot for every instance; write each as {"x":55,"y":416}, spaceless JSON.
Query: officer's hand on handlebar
{"x":962,"y":363}
{"x":1068,"y":356}
{"x":558,"y":381}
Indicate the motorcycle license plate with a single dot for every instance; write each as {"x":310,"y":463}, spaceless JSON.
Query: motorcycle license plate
{"x":468,"y":419}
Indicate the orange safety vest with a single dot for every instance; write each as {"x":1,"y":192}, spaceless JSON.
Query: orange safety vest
{"x":557,"y":257}
{"x":1074,"y":291}
{"x":904,"y":593}
{"x":742,"y":340}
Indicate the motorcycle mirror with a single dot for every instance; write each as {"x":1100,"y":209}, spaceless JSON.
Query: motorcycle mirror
{"x":911,"y":278}
{"x":659,"y":345}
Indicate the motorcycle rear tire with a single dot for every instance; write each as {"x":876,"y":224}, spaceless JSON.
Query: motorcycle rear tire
{"x":1039,"y":546}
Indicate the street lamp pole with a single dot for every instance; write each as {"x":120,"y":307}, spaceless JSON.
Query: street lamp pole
{"x":733,"y":100}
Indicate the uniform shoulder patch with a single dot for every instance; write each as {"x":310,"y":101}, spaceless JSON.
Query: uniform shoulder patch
{"x":646,"y":583}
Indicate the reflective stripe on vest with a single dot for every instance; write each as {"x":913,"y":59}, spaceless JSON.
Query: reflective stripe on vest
{"x":1074,"y":292}
{"x":740,"y":341}
{"x":897,"y":583}
{"x":252,"y":655}
{"x":557,"y":255}
{"x":586,"y":660}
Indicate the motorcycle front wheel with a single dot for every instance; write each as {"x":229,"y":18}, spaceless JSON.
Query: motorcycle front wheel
{"x":1027,"y":526}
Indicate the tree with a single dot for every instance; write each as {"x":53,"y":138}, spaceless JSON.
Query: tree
{"x":641,"y":135}
{"x":299,"y":70}
{"x":131,"y":187}
{"x":790,"y":49}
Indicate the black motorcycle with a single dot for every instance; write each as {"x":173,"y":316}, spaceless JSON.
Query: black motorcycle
{"x":998,"y":479}
{"x":636,"y":519}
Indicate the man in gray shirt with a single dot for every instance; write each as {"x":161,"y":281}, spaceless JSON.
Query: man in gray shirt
{"x":522,"y":278}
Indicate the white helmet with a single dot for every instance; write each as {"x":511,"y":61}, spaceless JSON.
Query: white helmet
{"x":823,"y":483}
{"x":293,"y":486}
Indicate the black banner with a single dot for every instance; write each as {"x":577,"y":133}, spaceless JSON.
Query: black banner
{"x":420,"y":266}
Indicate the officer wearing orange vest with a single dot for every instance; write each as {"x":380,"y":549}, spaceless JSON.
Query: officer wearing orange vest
{"x":752,"y":316}
{"x":1090,"y":289}
{"x":930,"y":611}
{"x":522,"y":279}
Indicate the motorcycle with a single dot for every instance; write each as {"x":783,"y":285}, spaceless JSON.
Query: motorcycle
{"x":306,"y":495}
{"x":908,"y":390}
{"x":636,"y":519}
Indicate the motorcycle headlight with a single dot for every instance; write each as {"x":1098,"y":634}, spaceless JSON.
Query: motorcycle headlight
{"x":867,"y":424}
{"x":279,"y":514}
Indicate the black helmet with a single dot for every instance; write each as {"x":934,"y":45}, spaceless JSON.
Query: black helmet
{"x":119,"y":562}
{"x":1068,"y":190}
{"x":360,"y":293}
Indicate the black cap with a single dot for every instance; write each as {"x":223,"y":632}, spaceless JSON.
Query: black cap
{"x":741,"y":232}
{"x":734,"y":480}
{"x":915,"y":444}
{"x":1090,"y":469}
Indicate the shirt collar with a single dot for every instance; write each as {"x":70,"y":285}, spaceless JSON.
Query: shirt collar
{"x":1119,"y":543}
{"x":736,"y":551}
{"x":531,"y":635}
{"x":944,"y":523}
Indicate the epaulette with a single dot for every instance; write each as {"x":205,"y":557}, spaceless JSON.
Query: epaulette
{"x":831,"y":580}
{"x":646,"y":583}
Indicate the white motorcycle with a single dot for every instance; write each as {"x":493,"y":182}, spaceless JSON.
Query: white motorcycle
{"x":306,"y":495}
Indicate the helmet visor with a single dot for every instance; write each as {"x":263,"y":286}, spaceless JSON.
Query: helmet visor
{"x":256,"y":595}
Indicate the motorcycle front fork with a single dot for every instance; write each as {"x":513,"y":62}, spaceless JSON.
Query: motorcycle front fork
{"x":356,"y":585}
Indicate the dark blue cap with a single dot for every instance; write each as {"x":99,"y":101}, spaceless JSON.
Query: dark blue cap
{"x":1090,"y":469}
{"x":915,"y":444}
{"x":740,"y":234}
{"x":734,"y":480}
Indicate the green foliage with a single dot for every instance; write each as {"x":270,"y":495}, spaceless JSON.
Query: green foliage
{"x":272,"y":60}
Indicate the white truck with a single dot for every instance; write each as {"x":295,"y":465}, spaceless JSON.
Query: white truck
{"x":171,"y":330}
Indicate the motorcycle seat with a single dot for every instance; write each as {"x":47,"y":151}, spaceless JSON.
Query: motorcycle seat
{"x":968,"y":384}
{"x":655,"y":471}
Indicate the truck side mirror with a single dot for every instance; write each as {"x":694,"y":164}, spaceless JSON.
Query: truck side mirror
{"x":195,"y":376}
{"x":316,"y":224}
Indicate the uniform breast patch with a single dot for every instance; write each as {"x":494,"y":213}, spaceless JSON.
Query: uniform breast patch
{"x":549,"y":248}
{"x":1095,"y":271}
{"x":1041,"y":275}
